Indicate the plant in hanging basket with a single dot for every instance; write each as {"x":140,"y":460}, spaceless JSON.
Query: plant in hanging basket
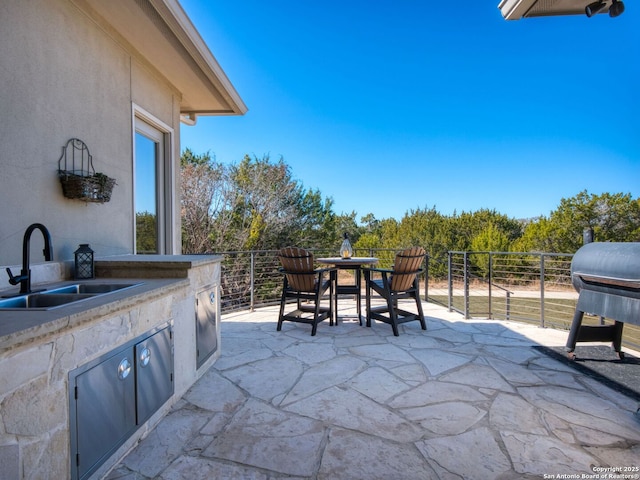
{"x":89,"y":188}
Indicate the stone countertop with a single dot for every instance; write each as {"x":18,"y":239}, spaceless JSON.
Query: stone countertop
{"x":151,"y":266}
{"x":155,"y":260}
{"x":18,"y":327}
{"x":158,"y":276}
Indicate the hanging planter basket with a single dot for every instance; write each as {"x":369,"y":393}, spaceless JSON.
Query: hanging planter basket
{"x":78,"y":177}
{"x":95,"y":188}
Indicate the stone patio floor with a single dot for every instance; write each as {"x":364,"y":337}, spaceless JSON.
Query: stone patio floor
{"x":466,"y":399}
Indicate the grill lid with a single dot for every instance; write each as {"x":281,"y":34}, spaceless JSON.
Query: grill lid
{"x":609,"y":267}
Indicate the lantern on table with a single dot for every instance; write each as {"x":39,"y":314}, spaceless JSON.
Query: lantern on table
{"x":345,"y":250}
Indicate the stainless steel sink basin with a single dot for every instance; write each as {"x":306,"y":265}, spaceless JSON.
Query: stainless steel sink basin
{"x":61,"y":296}
{"x":94,"y":288}
{"x":42,"y":302}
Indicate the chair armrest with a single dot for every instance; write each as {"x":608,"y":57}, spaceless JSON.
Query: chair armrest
{"x":390,"y":270}
{"x":311,"y":272}
{"x":381,"y":270}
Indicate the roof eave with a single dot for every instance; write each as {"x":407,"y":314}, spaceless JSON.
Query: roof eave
{"x":183,"y":28}
{"x":160,"y":34}
{"x":517,"y":9}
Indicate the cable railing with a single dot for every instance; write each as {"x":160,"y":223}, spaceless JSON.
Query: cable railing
{"x":513,"y":286}
{"x":530,"y":287}
{"x":251,"y":279}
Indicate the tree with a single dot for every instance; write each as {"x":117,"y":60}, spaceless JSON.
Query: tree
{"x":467,"y":226}
{"x":253,"y":205}
{"x":613,"y":217}
{"x":369,"y":223}
{"x":204,"y":201}
{"x":316,"y":222}
{"x":368,"y":241}
{"x":146,"y":233}
{"x":431,"y":230}
{"x":257,"y":204}
{"x":538,"y":236}
{"x":346,"y":223}
{"x":268,"y":202}
{"x":490,"y":239}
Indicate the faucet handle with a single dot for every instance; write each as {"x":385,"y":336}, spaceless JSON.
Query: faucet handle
{"x":13,"y":280}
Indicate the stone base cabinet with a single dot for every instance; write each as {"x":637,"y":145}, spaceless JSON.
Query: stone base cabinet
{"x":80,"y":386}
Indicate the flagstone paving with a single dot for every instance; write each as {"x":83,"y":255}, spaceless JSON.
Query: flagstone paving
{"x":466,"y":399}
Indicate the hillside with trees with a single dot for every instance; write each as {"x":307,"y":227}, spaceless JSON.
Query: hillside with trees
{"x":259,"y":205}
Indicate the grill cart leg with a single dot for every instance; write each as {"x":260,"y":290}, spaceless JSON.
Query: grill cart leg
{"x":594,"y":333}
{"x":617,"y":339}
{"x":573,"y":334}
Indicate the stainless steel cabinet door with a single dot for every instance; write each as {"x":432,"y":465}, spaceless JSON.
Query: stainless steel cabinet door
{"x":206,"y":324}
{"x":154,"y":372}
{"x":105,"y":409}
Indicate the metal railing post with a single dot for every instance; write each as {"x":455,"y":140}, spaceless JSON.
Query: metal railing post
{"x":490,"y":283}
{"x":466,"y":285}
{"x":450,"y":281}
{"x":542,"y":290}
{"x":252,"y":281}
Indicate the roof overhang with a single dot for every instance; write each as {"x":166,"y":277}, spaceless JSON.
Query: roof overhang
{"x":161,"y":35}
{"x":517,"y":9}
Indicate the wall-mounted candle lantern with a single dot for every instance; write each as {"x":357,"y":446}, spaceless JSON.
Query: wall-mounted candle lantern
{"x":84,"y":262}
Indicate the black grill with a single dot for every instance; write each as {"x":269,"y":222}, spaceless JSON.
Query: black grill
{"x":607,"y":276}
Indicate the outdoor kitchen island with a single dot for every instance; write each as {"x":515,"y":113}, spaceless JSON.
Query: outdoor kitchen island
{"x":48,"y":360}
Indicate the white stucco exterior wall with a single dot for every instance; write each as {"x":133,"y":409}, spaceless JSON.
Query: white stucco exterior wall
{"x":64,"y":76}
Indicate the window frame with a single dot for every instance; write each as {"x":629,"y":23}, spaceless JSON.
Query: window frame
{"x":156,"y":130}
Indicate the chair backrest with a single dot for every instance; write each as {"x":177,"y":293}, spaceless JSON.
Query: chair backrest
{"x":298,"y":267}
{"x":406,"y":267}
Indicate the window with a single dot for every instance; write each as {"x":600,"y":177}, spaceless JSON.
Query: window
{"x":152,"y":185}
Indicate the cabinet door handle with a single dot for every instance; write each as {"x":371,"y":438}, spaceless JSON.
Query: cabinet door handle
{"x":145,"y":357}
{"x":124,"y":369}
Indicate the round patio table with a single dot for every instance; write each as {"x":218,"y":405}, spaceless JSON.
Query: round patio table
{"x":352,"y":263}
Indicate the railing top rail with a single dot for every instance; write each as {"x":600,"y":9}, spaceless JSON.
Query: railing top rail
{"x":229,"y":252}
{"x":310,"y":249}
{"x":544,"y":254}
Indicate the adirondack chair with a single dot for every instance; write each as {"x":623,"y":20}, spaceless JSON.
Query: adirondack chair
{"x":306,"y":285}
{"x":400,"y":282}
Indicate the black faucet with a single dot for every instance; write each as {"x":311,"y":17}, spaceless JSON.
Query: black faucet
{"x":25,"y":275}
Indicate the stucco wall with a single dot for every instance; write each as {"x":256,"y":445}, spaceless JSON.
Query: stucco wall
{"x":62,"y":76}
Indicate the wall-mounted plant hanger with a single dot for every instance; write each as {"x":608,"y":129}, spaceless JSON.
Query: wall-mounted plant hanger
{"x":78,"y":177}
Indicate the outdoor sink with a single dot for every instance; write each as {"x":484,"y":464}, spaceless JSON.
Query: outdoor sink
{"x":41,"y":301}
{"x":93,"y":288}
{"x":61,"y":296}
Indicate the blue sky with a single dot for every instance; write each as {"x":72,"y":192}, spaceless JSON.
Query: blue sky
{"x":392,"y":106}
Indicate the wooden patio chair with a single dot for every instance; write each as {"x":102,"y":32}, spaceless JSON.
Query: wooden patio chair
{"x":400,"y":282}
{"x":306,"y":285}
